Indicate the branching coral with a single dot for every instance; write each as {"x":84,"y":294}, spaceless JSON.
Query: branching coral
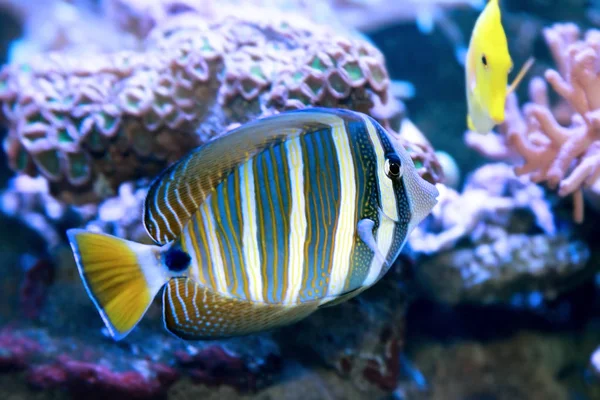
{"x":486,"y":243}
{"x":567,"y":157}
{"x":483,"y":210}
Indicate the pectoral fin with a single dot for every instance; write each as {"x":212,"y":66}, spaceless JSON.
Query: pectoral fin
{"x":193,"y":312}
{"x":365,"y":232}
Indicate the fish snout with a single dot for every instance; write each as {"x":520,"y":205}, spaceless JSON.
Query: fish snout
{"x":423,"y":197}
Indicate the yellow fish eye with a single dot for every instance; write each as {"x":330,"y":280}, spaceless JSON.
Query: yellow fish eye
{"x":484,"y":60}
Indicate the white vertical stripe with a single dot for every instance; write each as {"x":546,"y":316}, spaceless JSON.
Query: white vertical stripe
{"x":187,"y":317}
{"x":159,"y":234}
{"x":346,"y":224}
{"x":192,"y":271}
{"x":386,"y":186}
{"x":171,"y":304}
{"x":191,"y":195}
{"x":164,"y":218}
{"x":388,"y":203}
{"x":384,"y":240}
{"x":168,"y":204}
{"x":250,"y":239}
{"x":183,"y":207}
{"x":297,"y":236}
{"x":216,"y":265}
{"x":195,"y":303}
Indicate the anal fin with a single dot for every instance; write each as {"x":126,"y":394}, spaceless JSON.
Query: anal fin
{"x":194,"y":312}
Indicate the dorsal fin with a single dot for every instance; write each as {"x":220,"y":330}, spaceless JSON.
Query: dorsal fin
{"x":178,"y":192}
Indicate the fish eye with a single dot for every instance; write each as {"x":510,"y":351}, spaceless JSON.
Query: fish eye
{"x":484,"y":60}
{"x":393,"y":167}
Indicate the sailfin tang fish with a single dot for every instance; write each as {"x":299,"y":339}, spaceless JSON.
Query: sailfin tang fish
{"x":488,"y":64}
{"x":261,"y":227}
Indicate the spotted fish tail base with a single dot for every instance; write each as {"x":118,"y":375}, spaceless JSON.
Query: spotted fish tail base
{"x":121,"y":277}
{"x":193,"y":312}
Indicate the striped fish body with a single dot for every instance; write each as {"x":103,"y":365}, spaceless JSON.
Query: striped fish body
{"x":278,"y":218}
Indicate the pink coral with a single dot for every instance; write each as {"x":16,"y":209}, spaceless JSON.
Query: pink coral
{"x":214,"y":365}
{"x":15,"y":351}
{"x":567,"y":157}
{"x":94,"y":381}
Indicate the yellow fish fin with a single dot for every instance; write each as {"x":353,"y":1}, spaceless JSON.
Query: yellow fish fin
{"x":524,"y":69}
{"x":193,"y":312}
{"x":470,"y":124}
{"x":114,"y":277}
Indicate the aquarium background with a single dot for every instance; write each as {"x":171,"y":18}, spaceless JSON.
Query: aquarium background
{"x":494,"y":297}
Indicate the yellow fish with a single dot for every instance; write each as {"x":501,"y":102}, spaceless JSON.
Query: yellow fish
{"x":487,"y":67}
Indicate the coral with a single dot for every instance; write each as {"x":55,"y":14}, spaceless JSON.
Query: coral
{"x":28,"y":199}
{"x":421,"y":152}
{"x":99,"y":382}
{"x":84,"y":366}
{"x":122,"y":215}
{"x":485,"y":244}
{"x":490,"y":197}
{"x":87,"y":126}
{"x":216,"y":366}
{"x":58,"y":25}
{"x":565,"y":157}
{"x":366,"y":16}
{"x":88,"y":122}
{"x":15,"y":352}
{"x":34,"y":288}
{"x":516,"y":264}
{"x":363,"y":339}
{"x":525,"y":366}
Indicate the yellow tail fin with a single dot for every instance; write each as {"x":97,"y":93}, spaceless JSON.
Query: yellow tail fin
{"x":121,"y":277}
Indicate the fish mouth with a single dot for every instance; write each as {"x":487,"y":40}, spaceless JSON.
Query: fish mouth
{"x":423,"y":197}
